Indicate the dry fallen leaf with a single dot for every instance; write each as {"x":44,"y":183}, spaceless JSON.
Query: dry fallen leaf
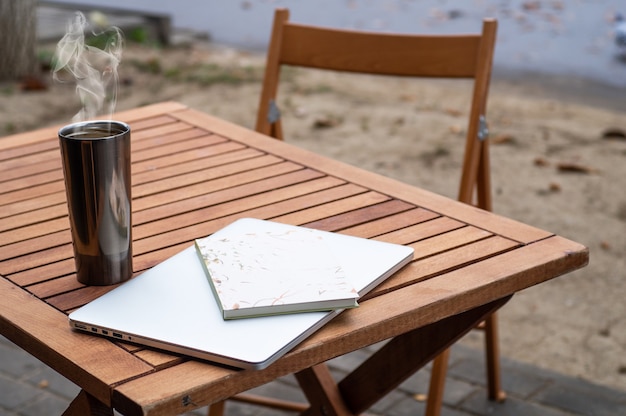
{"x":420,"y":397}
{"x":455,"y":129}
{"x":326,"y":122}
{"x":452,"y":112}
{"x":555,"y":187}
{"x":614,"y":133}
{"x":574,"y":167}
{"x":503,"y":139}
{"x":540,"y":161}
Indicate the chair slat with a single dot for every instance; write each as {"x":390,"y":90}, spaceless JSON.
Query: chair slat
{"x":379,"y":53}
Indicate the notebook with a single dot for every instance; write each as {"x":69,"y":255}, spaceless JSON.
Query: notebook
{"x":171,"y":306}
{"x":269,"y":273}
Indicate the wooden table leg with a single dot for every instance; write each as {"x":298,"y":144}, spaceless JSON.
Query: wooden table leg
{"x":322,"y":393}
{"x":437,"y":384}
{"x":388,"y":367}
{"x":86,"y":404}
{"x":404,"y":355}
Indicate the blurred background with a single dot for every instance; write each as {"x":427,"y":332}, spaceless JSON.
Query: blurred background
{"x":574,"y":37}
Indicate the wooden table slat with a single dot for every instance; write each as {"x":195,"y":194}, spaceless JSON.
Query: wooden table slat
{"x":28,"y":154}
{"x":339,"y":222}
{"x":32,"y":231}
{"x":314,"y":213}
{"x":151,"y":122}
{"x":152,"y":143}
{"x":24,"y":194}
{"x":43,"y":273}
{"x":263,"y":180}
{"x":175,"y":147}
{"x":34,"y":203}
{"x":190,"y":161}
{"x":501,"y":225}
{"x":390,"y":223}
{"x":22,"y":142}
{"x":447,"y":241}
{"x":36,"y":259}
{"x":286,"y":199}
{"x":205,"y":175}
{"x":452,"y":259}
{"x":34,"y":180}
{"x":33,"y":164}
{"x":35,"y":244}
{"x":54,"y":287}
{"x":158,"y":359}
{"x":50,"y":133}
{"x":33,"y":217}
{"x":422,"y":230}
{"x":166,"y":131}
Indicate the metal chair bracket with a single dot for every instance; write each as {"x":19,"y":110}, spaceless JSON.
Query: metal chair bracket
{"x":273,"y":113}
{"x":483,"y":129}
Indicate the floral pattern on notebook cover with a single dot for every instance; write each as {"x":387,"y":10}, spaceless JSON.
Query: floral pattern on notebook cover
{"x":274,"y":272}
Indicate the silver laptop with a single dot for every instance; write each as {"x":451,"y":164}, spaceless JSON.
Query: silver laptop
{"x":171,"y":306}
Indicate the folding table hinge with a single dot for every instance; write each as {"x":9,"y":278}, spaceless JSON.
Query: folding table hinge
{"x":273,"y":113}
{"x":483,"y":129}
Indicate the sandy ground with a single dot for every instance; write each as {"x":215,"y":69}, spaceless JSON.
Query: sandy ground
{"x":414,"y":130}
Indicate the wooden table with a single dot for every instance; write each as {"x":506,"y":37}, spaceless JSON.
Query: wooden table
{"x":193,"y":174}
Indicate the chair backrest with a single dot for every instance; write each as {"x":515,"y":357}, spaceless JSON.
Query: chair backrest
{"x":430,"y":56}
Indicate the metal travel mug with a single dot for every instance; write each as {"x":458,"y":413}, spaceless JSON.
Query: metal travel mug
{"x":96,"y":167}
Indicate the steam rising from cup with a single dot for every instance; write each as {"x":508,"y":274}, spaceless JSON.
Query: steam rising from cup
{"x":94,"y":70}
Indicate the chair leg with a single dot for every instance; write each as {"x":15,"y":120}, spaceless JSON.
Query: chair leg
{"x":492,"y":356}
{"x":437,"y":384}
{"x":217,"y":409}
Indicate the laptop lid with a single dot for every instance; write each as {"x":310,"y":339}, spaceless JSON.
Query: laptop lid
{"x":172,"y":307}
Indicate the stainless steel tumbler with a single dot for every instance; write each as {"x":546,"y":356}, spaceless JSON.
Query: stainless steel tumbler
{"x":96,"y":167}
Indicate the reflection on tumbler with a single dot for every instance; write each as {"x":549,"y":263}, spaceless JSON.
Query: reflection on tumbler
{"x":96,"y":166}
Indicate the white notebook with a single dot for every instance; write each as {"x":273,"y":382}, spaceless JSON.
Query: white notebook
{"x":171,"y":306}
{"x":268,"y":273}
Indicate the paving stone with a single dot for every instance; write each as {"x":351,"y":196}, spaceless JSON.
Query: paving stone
{"x":418,"y":383}
{"x":47,"y":404}
{"x":478,"y":404}
{"x":244,"y":409}
{"x":282,"y":389}
{"x":583,"y":398}
{"x":397,"y":403}
{"x":457,"y":392}
{"x":54,"y":383}
{"x":531,"y":390}
{"x":17,"y":362}
{"x":467,"y":365}
{"x":521,"y":380}
{"x":518,"y":379}
{"x":5,"y":341}
{"x":405,"y":406}
{"x":15,"y":394}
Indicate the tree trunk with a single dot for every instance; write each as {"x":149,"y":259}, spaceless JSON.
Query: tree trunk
{"x":18,"y":25}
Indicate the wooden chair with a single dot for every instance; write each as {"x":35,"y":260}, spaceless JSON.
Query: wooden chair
{"x":428,"y":56}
